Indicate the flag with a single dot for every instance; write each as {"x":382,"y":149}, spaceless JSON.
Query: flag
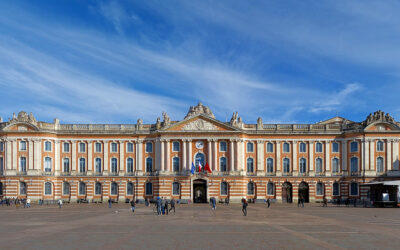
{"x":192,"y":169}
{"x":207,"y":168}
{"x":200,"y":166}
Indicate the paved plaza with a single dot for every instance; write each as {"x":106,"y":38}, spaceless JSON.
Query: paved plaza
{"x":95,"y":226}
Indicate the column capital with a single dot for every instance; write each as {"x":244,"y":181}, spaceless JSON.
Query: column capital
{"x":260,"y":141}
{"x":140,"y":140}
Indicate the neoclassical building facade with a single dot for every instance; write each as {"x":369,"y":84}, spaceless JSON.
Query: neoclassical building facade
{"x":332,"y":159}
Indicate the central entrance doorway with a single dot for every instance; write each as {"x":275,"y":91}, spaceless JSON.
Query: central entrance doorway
{"x":287,"y":192}
{"x":303,"y":191}
{"x":199,"y":191}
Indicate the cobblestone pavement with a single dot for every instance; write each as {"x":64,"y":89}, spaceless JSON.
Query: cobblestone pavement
{"x":79,"y":226}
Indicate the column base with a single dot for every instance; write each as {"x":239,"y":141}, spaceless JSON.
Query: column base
{"x":139,"y":172}
{"x":260,"y":173}
{"x":278,"y":173}
{"x":295,"y":173}
{"x":311,"y":173}
{"x":121,"y":173}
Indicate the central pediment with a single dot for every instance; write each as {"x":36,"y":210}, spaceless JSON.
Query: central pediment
{"x":200,"y":123}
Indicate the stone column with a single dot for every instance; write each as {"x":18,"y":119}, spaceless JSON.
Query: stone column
{"x":30,"y":155}
{"x":57,"y":164}
{"x":396,"y":154}
{"x":295,"y":165}
{"x":328,"y":157}
{"x":121,"y":158}
{"x":389,"y":154}
{"x":311,"y":156}
{"x":372,"y":155}
{"x":215,"y":164}
{"x":260,"y":157}
{"x":190,"y":157}
{"x":162,"y":157}
{"x":184,"y":155}
{"x":344,"y":155}
{"x":139,"y":156}
{"x":36,"y":154}
{"x":8,"y":154}
{"x":158,"y":158}
{"x":105,"y":156}
{"x":278,"y":158}
{"x":362,"y":148}
{"x":241,"y":155}
{"x":90,"y":157}
{"x":232,"y":155}
{"x":168,"y":156}
{"x":14,"y":155}
{"x":366,"y":155}
{"x":73,"y":157}
{"x":209,"y":152}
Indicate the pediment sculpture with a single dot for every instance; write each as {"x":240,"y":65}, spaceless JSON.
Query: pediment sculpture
{"x":199,"y":125}
{"x":378,"y":116}
{"x":199,"y":109}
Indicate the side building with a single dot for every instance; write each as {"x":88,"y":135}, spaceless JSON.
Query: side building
{"x":332,"y":159}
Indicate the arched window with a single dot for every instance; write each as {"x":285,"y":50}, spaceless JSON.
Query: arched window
{"x":66,"y":188}
{"x":354,"y":146}
{"x":149,"y":188}
{"x":47,"y":188}
{"x":97,"y":188}
{"x":250,"y":165}
{"x":129,"y":147}
{"x":149,"y":165}
{"x":286,"y":147}
{"x":318,"y":147}
{"x":270,"y":188}
{"x":22,"y":188}
{"x":318,"y":165}
{"x":222,"y":146}
{"x":176,"y":188}
{"x":114,"y":147}
{"x":129,"y":165}
{"x":286,"y":165}
{"x":149,"y":147}
{"x":354,"y":164}
{"x":82,"y":188}
{"x":114,"y":165}
{"x":250,"y":188}
{"x":98,"y":165}
{"x":379,"y":165}
{"x":270,"y":165}
{"x":66,"y":165}
{"x":47,"y":146}
{"x":379,"y":146}
{"x":82,"y":165}
{"x":335,"y":188}
{"x":335,"y":165}
{"x":270,"y":147}
{"x":199,"y":160}
{"x":224,"y":188}
{"x":303,"y":165}
{"x":22,"y":164}
{"x":320,"y":188}
{"x":335,"y":147}
{"x":47,"y":164}
{"x":175,"y":164}
{"x":250,"y":147}
{"x":303,"y":147}
{"x":354,"y":189}
{"x":175,"y":146}
{"x":129,"y":188}
{"x":114,"y":188}
{"x":222,"y":164}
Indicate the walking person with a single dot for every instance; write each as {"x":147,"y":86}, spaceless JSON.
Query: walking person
{"x":172,"y":205}
{"x":268,"y":203}
{"x":159,"y":203}
{"x":166,"y":207}
{"x":244,"y":206}
{"x":109,"y":202}
{"x":133,"y":205}
{"x":60,"y":202}
{"x":325,"y":201}
{"x":227,"y":200}
{"x":28,"y":202}
{"x":213,"y":202}
{"x":163,"y":205}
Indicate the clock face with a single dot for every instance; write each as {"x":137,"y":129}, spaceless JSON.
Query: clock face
{"x":199,"y":144}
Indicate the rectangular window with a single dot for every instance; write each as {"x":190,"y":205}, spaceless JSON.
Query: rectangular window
{"x":66,"y":147}
{"x":354,"y":189}
{"x":82,"y":147}
{"x":250,"y":147}
{"x":222,"y":146}
{"x":1,"y":146}
{"x":335,"y":147}
{"x":98,"y":147}
{"x":129,"y":147}
{"x":22,"y":145}
{"x":303,"y":147}
{"x":175,"y":146}
{"x":114,"y":147}
{"x":286,"y":147}
{"x":47,"y":146}
{"x":149,"y":147}
{"x":65,"y":188}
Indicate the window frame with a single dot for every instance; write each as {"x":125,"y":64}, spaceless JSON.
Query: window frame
{"x":22,"y":164}
{"x":301,"y":161}
{"x":252,"y":165}
{"x":382,"y":166}
{"x":112,"y":166}
{"x":97,"y":146}
{"x":147,"y":145}
{"x":80,"y":184}
{"x":223,"y":148}
{"x":222,"y":189}
{"x":46,"y":145}
{"x":148,"y":185}
{"x":272,"y":147}
{"x":173,"y":163}
{"x":129,"y":147}
{"x":24,"y":188}
{"x":351,"y":189}
{"x":114,"y":147}
{"x":96,"y":165}
{"x":333,"y":148}
{"x":272,"y":164}
{"x":222,"y":160}
{"x":50,"y":186}
{"x":250,"y":147}
{"x":82,"y":159}
{"x":319,"y":189}
{"x":319,"y":147}
{"x":147,"y":159}
{"x":64,"y":188}
{"x":174,"y":184}
{"x":66,"y":147}
{"x":351,"y":146}
{"x":1,"y":146}
{"x":338,"y":189}
{"x":174,"y":143}
{"x":319,"y":163}
{"x":333,"y":165}
{"x":378,"y":149}
{"x":45,"y":165}
{"x":63,"y":162}
{"x":82,"y":147}
{"x":252,"y":184}
{"x":303,"y":147}
{"x":129,"y":163}
{"x":351,"y":164}
{"x":129,"y":183}
{"x":22,"y":145}
{"x":288,"y":147}
{"x":114,"y":188}
{"x":283,"y":165}
{"x":96,"y":185}
{"x":269,"y":184}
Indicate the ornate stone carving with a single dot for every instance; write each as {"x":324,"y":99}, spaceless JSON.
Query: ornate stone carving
{"x":139,"y":124}
{"x":166,"y":119}
{"x":378,"y":116}
{"x":199,"y":125}
{"x":199,"y":109}
{"x":158,"y":123}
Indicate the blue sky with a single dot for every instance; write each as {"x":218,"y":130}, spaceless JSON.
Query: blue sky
{"x":117,"y":61}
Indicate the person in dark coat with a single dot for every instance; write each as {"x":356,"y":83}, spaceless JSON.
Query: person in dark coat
{"x":109,"y":202}
{"x":268,"y":203}
{"x":172,"y":205}
{"x":133,"y":205}
{"x":244,"y":206}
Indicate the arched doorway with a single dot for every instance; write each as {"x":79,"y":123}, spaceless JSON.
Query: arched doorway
{"x":287,"y":192}
{"x":304,"y":191}
{"x":199,"y":191}
{"x":199,"y":158}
